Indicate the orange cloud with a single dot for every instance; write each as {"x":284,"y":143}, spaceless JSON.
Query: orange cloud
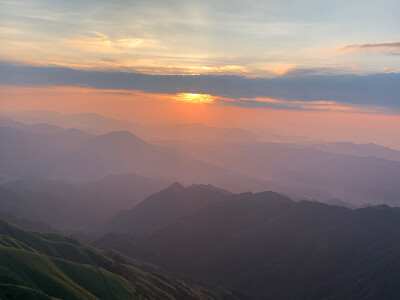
{"x":315,"y":105}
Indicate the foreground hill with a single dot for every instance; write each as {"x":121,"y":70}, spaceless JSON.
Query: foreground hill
{"x":44,"y":266}
{"x":159,"y":210}
{"x":265,"y":246}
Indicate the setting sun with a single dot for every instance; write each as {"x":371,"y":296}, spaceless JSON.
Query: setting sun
{"x":194,"y":98}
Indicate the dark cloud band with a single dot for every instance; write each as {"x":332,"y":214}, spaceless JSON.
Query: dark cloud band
{"x":380,"y":89}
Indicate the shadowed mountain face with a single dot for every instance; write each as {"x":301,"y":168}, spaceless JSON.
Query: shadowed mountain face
{"x":159,"y":210}
{"x":268,"y":247}
{"x":48,"y":266}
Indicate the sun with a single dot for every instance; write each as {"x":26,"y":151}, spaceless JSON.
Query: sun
{"x":194,"y":98}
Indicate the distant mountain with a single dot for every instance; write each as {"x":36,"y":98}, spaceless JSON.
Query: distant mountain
{"x":159,"y":210}
{"x":20,"y":151}
{"x":265,"y":246}
{"x":122,"y":152}
{"x":196,"y":133}
{"x":98,"y":124}
{"x":40,"y":128}
{"x":351,"y":178}
{"x":90,"y":122}
{"x":30,"y":225}
{"x":364,"y":150}
{"x":81,"y":206}
{"x":49,"y":266}
{"x":237,"y":166}
{"x":12,"y":203}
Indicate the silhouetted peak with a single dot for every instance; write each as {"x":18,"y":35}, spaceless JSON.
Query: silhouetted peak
{"x":75,"y":132}
{"x":263,"y":197}
{"x":121,"y":133}
{"x":380,"y":207}
{"x":176,"y":186}
{"x":121,"y":136}
{"x":211,"y":187}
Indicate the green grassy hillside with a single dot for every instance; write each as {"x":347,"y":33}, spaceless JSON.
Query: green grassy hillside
{"x":45,"y":266}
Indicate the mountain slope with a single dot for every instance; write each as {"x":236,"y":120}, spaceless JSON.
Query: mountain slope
{"x":27,"y":224}
{"x":159,"y":210}
{"x":50,"y":265}
{"x":268,"y":247}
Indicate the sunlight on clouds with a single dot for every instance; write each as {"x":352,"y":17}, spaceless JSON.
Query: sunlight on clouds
{"x":131,"y":43}
{"x":385,"y":46}
{"x":194,"y":98}
{"x":98,"y":43}
{"x":315,"y":105}
{"x":101,"y":43}
{"x":276,"y":68}
{"x":197,"y":70}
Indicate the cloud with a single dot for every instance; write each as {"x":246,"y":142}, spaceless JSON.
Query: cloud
{"x":101,"y":43}
{"x":298,"y":105}
{"x":387,"y":46}
{"x":379,"y":89}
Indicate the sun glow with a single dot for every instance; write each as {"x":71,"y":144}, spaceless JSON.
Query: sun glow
{"x":194,"y":98}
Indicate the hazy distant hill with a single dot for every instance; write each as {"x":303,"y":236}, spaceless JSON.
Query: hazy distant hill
{"x":359,"y":149}
{"x":159,"y":210}
{"x":76,"y":155}
{"x":20,"y":151}
{"x":268,"y":247}
{"x":123,"y":152}
{"x":41,"y":128}
{"x":352,"y":178}
{"x":90,"y":122}
{"x":81,"y":206}
{"x":40,"y":266}
{"x":27,"y":224}
{"x":241,"y":166}
{"x":99,"y":124}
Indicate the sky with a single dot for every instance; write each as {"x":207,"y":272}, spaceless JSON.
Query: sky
{"x":221,"y":62}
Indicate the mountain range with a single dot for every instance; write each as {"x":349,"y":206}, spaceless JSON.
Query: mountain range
{"x":308,"y":172}
{"x":265,"y":246}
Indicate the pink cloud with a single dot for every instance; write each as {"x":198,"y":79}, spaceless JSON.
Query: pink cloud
{"x":387,"y":46}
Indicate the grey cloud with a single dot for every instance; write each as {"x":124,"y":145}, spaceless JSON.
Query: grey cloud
{"x":380,"y":89}
{"x":378,"y":46}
